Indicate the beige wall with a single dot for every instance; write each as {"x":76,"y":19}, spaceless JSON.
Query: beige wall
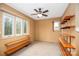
{"x":70,"y":10}
{"x":44,"y":30}
{"x":8,"y":9}
{"x":32,"y":30}
{"x":76,"y":41}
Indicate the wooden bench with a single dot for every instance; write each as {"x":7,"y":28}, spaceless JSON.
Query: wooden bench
{"x":14,"y":46}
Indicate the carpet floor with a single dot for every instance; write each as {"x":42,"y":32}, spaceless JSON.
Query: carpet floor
{"x":39,"y":49}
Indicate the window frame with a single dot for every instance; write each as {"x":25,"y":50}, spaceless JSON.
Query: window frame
{"x":13,"y":18}
{"x":26,"y":27}
{"x":19,"y":19}
{"x":54,"y":25}
{"x":3,"y":24}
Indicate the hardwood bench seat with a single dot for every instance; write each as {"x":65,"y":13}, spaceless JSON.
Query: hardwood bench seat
{"x":15,"y":42}
{"x":14,"y":46}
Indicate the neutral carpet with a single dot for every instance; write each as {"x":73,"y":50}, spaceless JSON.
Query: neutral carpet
{"x":39,"y":49}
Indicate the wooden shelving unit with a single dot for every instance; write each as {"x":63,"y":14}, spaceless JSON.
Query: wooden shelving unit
{"x":65,"y":40}
{"x":66,"y":19}
{"x":65,"y":43}
{"x":64,"y":51}
{"x":67,"y":34}
{"x":67,"y":27}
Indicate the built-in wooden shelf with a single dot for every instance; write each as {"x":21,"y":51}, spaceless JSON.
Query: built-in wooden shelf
{"x":64,"y":51}
{"x":67,"y":27}
{"x":67,"y":34}
{"x":65,"y":44}
{"x":65,"y":41}
{"x":66,"y":18}
{"x":62,"y":22}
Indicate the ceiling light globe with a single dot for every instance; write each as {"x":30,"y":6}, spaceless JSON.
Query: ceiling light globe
{"x":39,"y":15}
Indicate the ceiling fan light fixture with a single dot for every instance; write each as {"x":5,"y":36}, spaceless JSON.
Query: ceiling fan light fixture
{"x":39,"y":15}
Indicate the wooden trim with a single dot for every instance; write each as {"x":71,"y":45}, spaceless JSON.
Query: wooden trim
{"x":68,"y":27}
{"x":53,"y":25}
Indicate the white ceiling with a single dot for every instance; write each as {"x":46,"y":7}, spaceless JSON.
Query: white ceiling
{"x":55,"y":9}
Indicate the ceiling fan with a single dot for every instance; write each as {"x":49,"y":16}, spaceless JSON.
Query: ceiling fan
{"x":40,"y":13}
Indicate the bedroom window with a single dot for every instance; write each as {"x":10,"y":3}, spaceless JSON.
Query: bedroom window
{"x":56,"y":25}
{"x":24,"y":26}
{"x":8,"y":24}
{"x":18,"y":26}
{"x":11,"y":27}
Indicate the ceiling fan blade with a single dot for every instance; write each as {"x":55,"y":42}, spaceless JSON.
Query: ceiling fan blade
{"x":40,"y":10}
{"x":45,"y":15}
{"x":45,"y":11}
{"x":33,"y":14}
{"x":36,"y":10}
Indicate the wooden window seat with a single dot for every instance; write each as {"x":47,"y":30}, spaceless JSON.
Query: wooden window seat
{"x":14,"y":46}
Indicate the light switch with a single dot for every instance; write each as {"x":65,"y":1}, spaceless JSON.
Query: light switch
{"x":77,"y":29}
